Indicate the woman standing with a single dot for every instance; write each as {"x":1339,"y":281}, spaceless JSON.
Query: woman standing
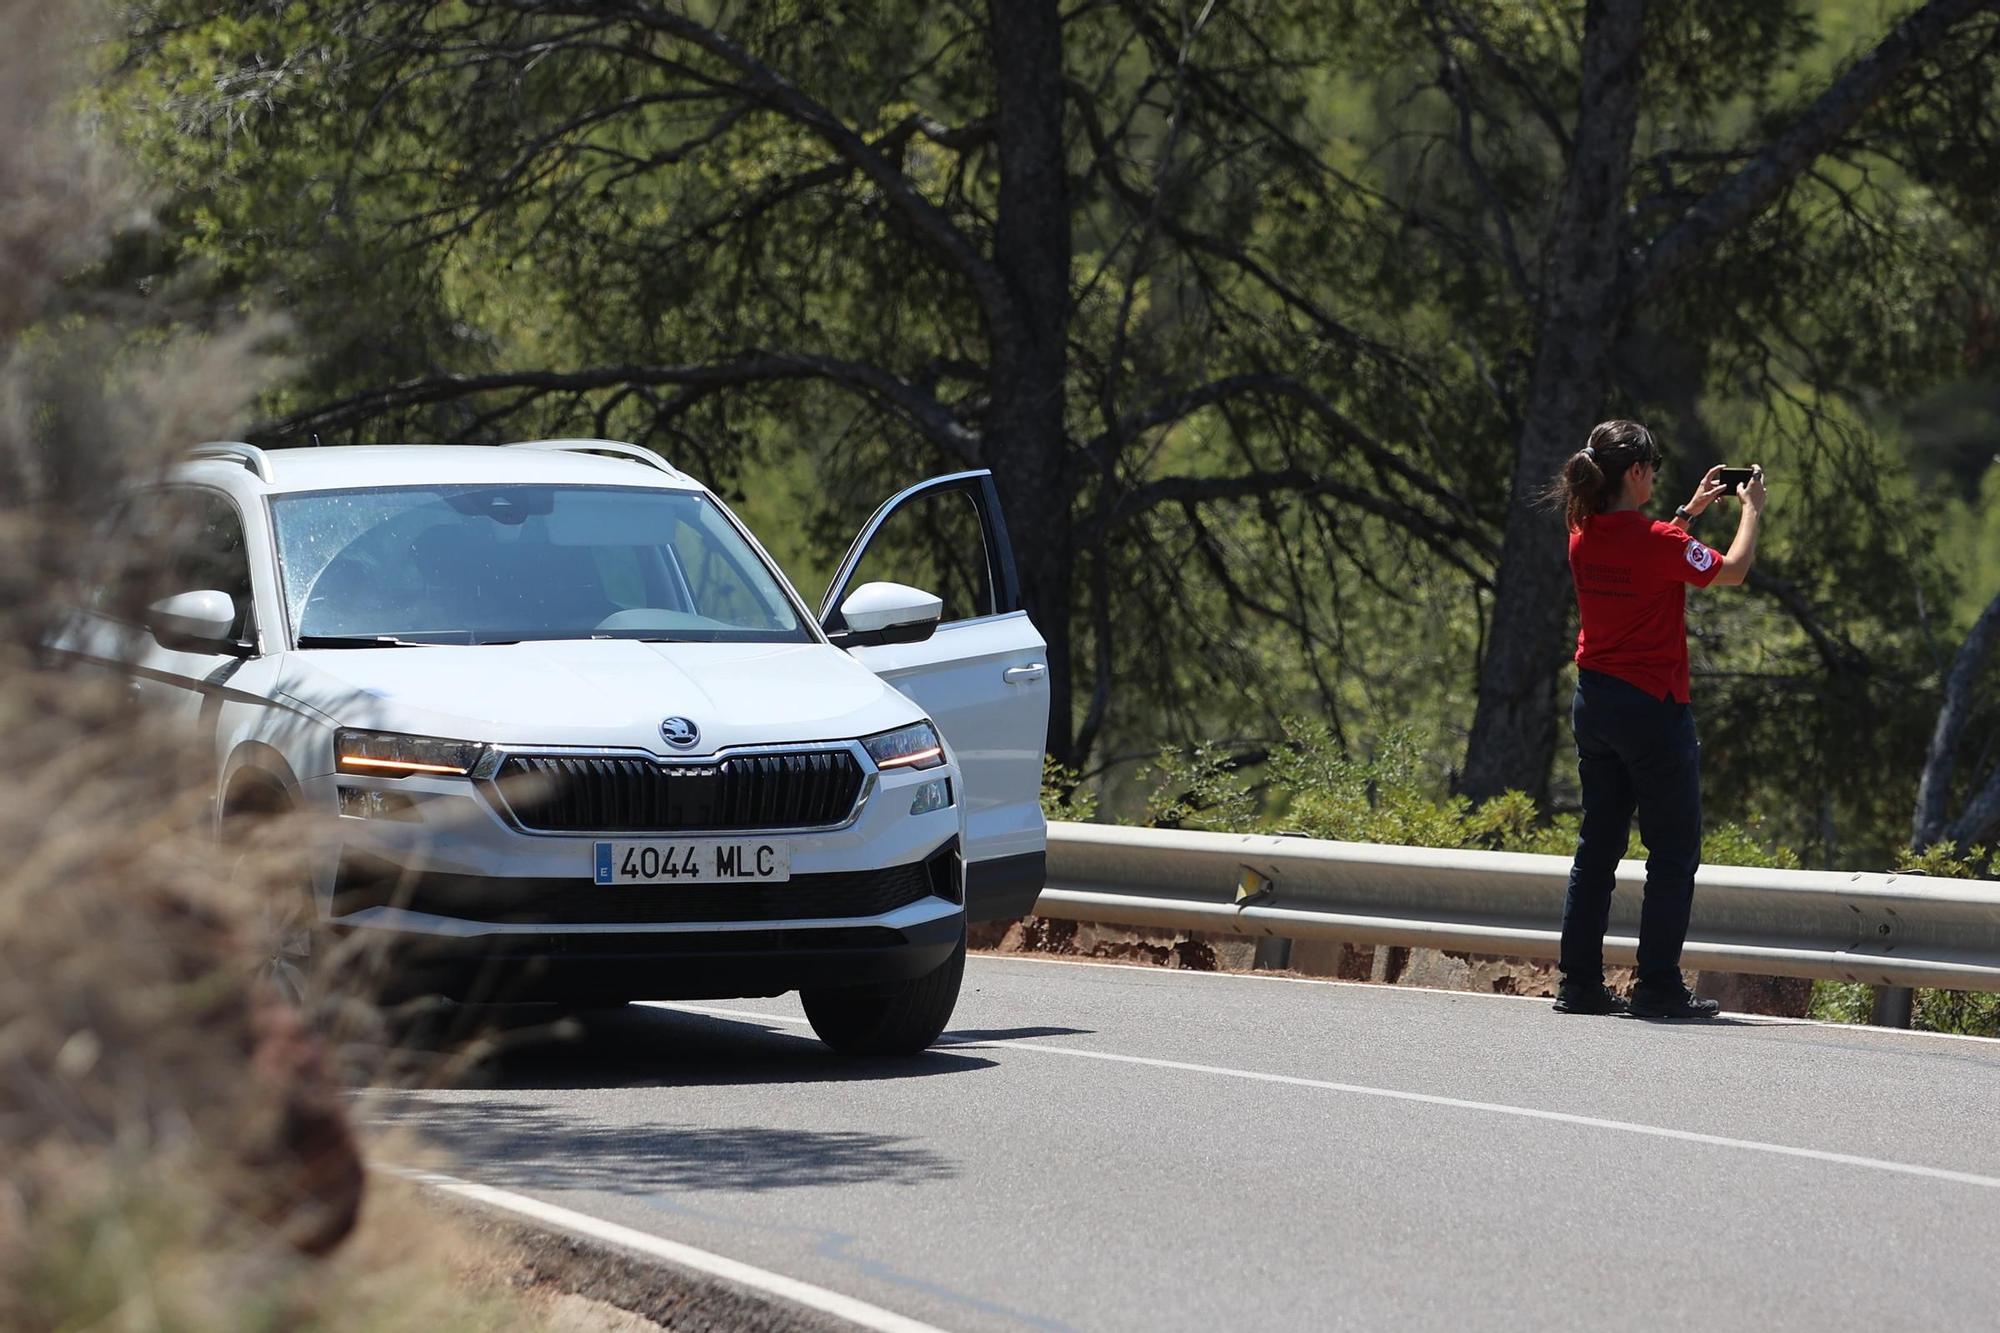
{"x":1635,"y":737}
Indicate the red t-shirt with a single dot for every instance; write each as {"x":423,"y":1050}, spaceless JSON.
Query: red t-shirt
{"x":1631,"y":598}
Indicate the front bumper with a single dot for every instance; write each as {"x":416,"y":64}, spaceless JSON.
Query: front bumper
{"x":511,"y":939}
{"x":614,"y":966}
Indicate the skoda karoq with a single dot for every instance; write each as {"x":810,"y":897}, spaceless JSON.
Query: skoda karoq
{"x":569,"y":734}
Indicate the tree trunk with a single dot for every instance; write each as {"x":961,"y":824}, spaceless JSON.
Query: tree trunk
{"x":1514,"y":729}
{"x":1934,"y":790}
{"x":1025,"y":440}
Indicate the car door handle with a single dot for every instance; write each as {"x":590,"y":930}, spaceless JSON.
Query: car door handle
{"x":1021,"y":675}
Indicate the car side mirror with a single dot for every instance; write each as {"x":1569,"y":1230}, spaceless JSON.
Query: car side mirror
{"x":196,"y":622}
{"x":889,"y":613}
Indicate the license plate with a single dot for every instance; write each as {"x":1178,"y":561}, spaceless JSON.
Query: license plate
{"x":692,"y":862}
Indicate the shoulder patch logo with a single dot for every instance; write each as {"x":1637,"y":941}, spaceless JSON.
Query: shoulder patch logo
{"x":1700,"y":556}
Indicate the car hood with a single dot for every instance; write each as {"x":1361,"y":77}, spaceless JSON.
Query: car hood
{"x":604,"y":692}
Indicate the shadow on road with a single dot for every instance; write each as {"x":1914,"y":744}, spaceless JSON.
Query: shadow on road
{"x":529,"y":1145}
{"x":556,"y":1143}
{"x":984,"y":1036}
{"x":643,"y":1047}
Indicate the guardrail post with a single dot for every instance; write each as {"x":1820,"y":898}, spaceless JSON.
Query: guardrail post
{"x":1895,"y":1007}
{"x":1274,"y":954}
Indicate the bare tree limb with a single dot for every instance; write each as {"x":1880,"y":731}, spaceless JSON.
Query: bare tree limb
{"x":771,"y":89}
{"x":1143,"y":203}
{"x":930,"y":416}
{"x":1168,"y":410}
{"x":1440,"y":535}
{"x":1752,"y":188}
{"x":1544,"y":110}
{"x":1459,"y":90}
{"x":1836,"y":653}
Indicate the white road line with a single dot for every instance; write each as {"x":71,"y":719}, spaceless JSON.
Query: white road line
{"x":1429,"y":1099}
{"x":855,"y":1311}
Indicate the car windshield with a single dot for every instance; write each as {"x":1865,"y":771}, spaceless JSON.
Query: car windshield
{"x":499,"y":564}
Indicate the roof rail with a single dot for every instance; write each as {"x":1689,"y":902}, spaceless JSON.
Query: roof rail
{"x":235,"y":451}
{"x":616,"y":448}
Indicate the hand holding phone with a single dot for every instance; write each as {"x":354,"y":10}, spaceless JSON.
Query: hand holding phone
{"x":1734,"y":478}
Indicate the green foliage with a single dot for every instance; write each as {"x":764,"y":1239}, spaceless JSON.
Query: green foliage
{"x":1947,"y":861}
{"x":1968,"y":1013}
{"x":1064,"y":797}
{"x":1841,"y":1002}
{"x":1310,"y":785}
{"x":1202,"y":788}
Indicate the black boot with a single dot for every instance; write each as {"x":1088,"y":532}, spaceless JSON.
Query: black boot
{"x":1671,"y":1002}
{"x":1588,"y":998}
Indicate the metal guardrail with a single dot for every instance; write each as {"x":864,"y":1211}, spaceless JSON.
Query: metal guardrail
{"x":1886,"y":930}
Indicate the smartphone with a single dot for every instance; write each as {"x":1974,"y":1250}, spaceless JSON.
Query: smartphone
{"x":1734,"y":477}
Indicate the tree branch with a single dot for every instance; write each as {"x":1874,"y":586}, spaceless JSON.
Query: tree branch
{"x":771,"y":89}
{"x":1751,"y":189}
{"x":1458,"y":89}
{"x":1838,"y":654}
{"x":1514,"y":78}
{"x":1438,"y":534}
{"x":1239,"y":259}
{"x":931,"y":417}
{"x":1166,"y":411}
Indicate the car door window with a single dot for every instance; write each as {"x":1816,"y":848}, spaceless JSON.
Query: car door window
{"x":935,"y":542}
{"x":165,"y":542}
{"x":204,"y":549}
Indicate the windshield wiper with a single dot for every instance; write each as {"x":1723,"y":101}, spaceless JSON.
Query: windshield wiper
{"x":357,"y":641}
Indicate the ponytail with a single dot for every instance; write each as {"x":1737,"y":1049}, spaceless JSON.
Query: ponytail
{"x":1594,"y":476}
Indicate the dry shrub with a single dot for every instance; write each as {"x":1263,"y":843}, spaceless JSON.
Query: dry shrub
{"x":154,"y":1099}
{"x":173,"y":1145}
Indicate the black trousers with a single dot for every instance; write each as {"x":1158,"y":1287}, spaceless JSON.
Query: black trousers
{"x":1634,"y":753}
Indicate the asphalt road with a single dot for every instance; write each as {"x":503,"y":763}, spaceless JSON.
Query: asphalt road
{"x":1122,"y":1148}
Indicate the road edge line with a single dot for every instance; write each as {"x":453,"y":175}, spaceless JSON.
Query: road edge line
{"x":774,"y":1287}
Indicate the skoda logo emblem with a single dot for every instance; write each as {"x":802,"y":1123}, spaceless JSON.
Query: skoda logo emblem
{"x":680,"y":732}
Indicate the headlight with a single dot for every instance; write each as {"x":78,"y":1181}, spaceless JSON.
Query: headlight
{"x":388,"y":754}
{"x":915,"y":746}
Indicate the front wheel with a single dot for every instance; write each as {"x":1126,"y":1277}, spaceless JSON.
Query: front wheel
{"x":902,"y":1018}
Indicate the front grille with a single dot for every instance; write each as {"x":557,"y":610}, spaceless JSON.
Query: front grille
{"x":366,"y":883}
{"x":573,"y":794}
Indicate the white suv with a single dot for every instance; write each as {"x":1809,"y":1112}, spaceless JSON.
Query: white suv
{"x":577,"y":738}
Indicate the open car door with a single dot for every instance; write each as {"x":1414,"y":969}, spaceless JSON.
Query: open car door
{"x":982,"y":675}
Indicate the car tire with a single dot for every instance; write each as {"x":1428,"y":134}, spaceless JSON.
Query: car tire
{"x":333,"y":987}
{"x":903,"y":1018}
{"x":289,"y":937}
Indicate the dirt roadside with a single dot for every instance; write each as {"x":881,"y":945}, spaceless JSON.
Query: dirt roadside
{"x":1435,"y":969}
{"x":545,"y":1278}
